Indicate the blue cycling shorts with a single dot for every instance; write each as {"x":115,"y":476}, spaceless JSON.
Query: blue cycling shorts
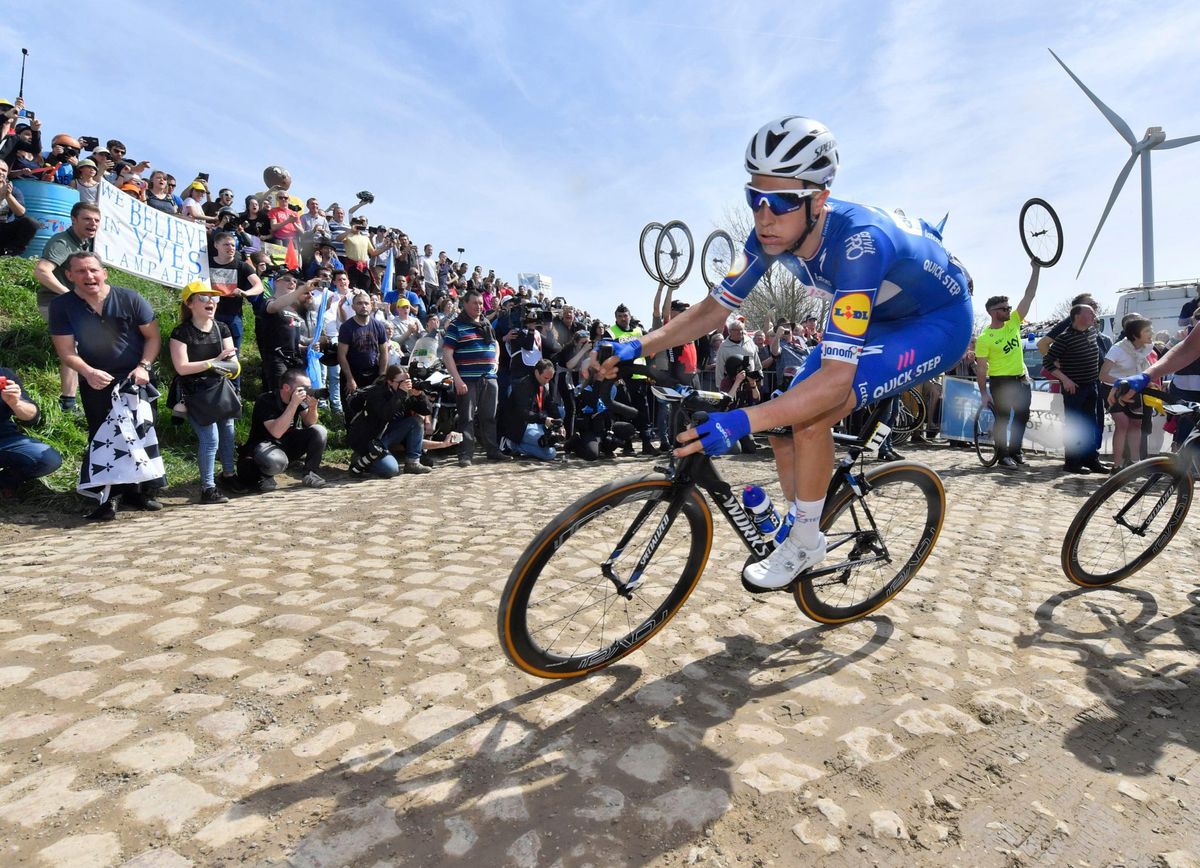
{"x":899,"y":354}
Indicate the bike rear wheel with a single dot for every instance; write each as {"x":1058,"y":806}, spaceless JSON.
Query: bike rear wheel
{"x":562,"y":617}
{"x":883,"y":538}
{"x":910,"y":416}
{"x":1126,"y":522}
{"x":985,"y":447}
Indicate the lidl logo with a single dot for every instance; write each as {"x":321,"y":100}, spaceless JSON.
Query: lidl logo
{"x":851,"y":313}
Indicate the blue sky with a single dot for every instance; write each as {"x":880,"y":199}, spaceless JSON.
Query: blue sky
{"x":542,"y":136}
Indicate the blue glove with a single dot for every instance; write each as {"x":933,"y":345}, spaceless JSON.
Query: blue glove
{"x":1137,"y":383}
{"x":628,"y":351}
{"x":720,"y":431}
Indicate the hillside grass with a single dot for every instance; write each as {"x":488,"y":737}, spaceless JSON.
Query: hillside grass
{"x":25,"y":347}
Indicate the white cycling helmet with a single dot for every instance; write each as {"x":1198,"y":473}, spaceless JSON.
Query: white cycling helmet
{"x":794,"y":147}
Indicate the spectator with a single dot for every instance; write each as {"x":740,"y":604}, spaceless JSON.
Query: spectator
{"x":255,"y":220}
{"x":87,"y":181}
{"x":234,"y":280}
{"x":789,"y":352}
{"x":809,"y":334}
{"x":159,"y":197}
{"x":622,"y":330}
{"x":285,"y":222}
{"x":198,"y":341}
{"x":1074,"y":360}
{"x":386,"y":418}
{"x":1187,"y":313}
{"x":323,"y":257}
{"x":741,"y":382}
{"x":362,"y":347}
{"x":407,"y":327}
{"x":531,"y":414}
{"x":470,"y":352}
{"x":193,"y":202}
{"x":597,"y":432}
{"x":224,"y":200}
{"x":22,"y":458}
{"x":358,"y":253}
{"x":51,"y":274}
{"x":313,"y":222}
{"x":281,"y":328}
{"x":740,"y":345}
{"x":23,"y":150}
{"x":105,"y":333}
{"x":1128,"y":356}
{"x":283,"y":429}
{"x":429,"y":274}
{"x":16,"y":227}
{"x":1000,"y":370}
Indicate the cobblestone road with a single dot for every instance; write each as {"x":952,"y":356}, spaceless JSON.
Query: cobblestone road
{"x":313,"y":678}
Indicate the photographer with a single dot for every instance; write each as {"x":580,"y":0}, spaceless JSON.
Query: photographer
{"x":281,"y":326}
{"x":744,"y":384}
{"x":596,"y":432}
{"x":22,"y":457}
{"x":283,"y":429}
{"x":384,"y":419}
{"x":525,"y":344}
{"x":572,"y":358}
{"x":531,"y":422}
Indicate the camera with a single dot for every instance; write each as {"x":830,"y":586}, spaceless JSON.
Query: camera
{"x":555,"y":434}
{"x":321,"y":394}
{"x":89,"y":143}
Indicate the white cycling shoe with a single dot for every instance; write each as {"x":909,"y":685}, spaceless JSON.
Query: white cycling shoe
{"x":780,"y":568}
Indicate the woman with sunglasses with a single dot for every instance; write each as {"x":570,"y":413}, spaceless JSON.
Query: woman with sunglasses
{"x":899,"y":313}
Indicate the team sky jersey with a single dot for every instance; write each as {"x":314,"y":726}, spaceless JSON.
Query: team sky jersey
{"x":873,"y":266}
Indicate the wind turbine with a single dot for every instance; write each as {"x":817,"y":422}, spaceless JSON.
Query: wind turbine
{"x":1154,"y":140}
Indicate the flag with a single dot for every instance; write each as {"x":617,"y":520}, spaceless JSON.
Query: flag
{"x":315,"y":370}
{"x":389,"y":281}
{"x":292,"y":260}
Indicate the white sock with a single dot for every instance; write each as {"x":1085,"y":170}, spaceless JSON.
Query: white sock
{"x":806,"y":531}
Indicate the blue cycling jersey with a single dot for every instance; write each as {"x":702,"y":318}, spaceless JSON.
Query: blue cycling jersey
{"x":873,"y":266}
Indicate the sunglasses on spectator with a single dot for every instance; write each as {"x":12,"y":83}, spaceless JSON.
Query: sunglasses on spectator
{"x":779,"y":201}
{"x":1003,"y":307}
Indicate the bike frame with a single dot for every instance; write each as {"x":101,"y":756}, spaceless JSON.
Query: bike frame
{"x":699,"y":471}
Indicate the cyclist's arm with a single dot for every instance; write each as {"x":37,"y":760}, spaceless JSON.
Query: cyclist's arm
{"x":1182,"y":354}
{"x":1030,"y":291}
{"x":697,"y":320}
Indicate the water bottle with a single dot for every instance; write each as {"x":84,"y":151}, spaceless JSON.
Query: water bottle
{"x":762,"y":511}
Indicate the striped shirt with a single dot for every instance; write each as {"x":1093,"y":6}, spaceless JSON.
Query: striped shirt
{"x":476,"y":353}
{"x":1076,"y":354}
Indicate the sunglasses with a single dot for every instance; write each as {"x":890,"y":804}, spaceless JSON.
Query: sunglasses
{"x":1003,"y":307}
{"x":779,"y":201}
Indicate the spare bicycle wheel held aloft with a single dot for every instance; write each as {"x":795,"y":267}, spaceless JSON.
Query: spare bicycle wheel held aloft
{"x":667,"y":252}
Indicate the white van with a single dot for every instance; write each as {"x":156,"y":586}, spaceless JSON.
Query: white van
{"x":1159,"y":302}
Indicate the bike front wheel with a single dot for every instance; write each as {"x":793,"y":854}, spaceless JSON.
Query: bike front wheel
{"x":1126,"y":522}
{"x":876,"y":543}
{"x":561,"y":613}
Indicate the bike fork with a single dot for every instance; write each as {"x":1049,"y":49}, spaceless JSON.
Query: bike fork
{"x":626,"y":587}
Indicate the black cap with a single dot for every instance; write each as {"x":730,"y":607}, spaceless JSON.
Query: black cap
{"x":679,"y":304}
{"x":621,"y":308}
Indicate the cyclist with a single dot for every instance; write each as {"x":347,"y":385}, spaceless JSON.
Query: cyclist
{"x":899,"y":313}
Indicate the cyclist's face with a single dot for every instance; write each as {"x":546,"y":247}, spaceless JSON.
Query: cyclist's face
{"x":779,"y":232}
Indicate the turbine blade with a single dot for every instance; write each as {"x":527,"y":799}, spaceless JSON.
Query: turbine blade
{"x":1113,"y":118}
{"x":1116,"y":191}
{"x":1176,"y":143}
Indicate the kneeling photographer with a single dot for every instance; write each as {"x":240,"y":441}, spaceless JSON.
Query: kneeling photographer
{"x":386,"y":419}
{"x":596,"y":432}
{"x":743,"y":383}
{"x":531,"y":421}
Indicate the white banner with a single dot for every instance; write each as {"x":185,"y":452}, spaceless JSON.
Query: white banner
{"x":142,"y":240}
{"x":1046,"y":425}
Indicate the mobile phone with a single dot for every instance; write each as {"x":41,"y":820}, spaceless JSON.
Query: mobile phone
{"x":26,"y":113}
{"x":203,"y":176}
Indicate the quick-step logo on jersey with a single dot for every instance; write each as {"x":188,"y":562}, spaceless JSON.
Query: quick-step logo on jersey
{"x":851,"y":313}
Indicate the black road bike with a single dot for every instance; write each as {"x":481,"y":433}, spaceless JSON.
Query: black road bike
{"x":1130,"y":519}
{"x":615,"y":566}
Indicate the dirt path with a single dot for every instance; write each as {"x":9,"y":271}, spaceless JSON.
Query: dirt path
{"x":331,"y":692}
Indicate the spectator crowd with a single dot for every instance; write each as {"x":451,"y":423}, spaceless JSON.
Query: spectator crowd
{"x":415,"y":354}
